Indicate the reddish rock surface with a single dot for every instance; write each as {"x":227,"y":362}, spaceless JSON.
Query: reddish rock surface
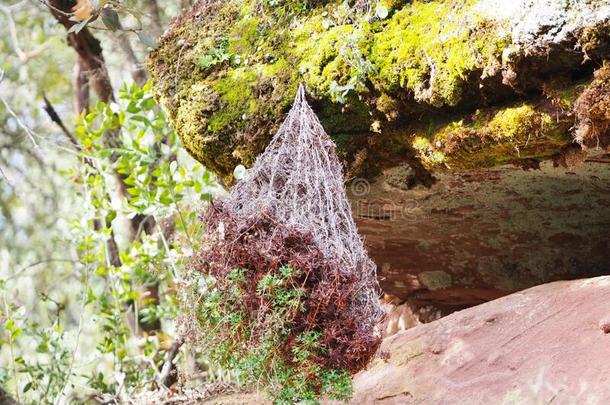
{"x":542,"y":345}
{"x":474,"y":237}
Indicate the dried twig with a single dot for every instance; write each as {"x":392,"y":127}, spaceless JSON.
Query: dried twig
{"x":27,"y":130}
{"x":52,"y":113}
{"x":166,"y":377}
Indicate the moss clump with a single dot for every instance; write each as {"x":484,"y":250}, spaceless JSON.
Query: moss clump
{"x":492,"y":137}
{"x":237,"y":100}
{"x":429,"y":155}
{"x":430,"y":49}
{"x":369,"y":79}
{"x":435,"y":280}
{"x":593,"y":111}
{"x":335,"y":54}
{"x":519,"y":123}
{"x":595,"y":40}
{"x":242,"y":95}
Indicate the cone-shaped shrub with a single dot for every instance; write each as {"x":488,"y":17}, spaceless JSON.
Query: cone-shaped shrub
{"x":290,"y":297}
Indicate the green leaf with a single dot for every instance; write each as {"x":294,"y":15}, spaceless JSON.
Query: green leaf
{"x":110,"y":18}
{"x":142,"y":119}
{"x":133,"y":191}
{"x":148,"y":103}
{"x":146,"y":39}
{"x":165,"y":198}
{"x":42,"y":348}
{"x":206,"y":61}
{"x":133,"y":108}
{"x":111,"y":216}
{"x":76,"y":28}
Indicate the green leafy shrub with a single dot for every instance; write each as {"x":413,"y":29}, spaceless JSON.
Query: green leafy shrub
{"x":105,"y":317}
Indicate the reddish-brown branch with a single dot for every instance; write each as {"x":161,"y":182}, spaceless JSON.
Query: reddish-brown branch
{"x":50,"y":110}
{"x":80,"y":83}
{"x":88,"y":48}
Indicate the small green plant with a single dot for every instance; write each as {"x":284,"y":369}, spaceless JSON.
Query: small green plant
{"x":360,"y":67}
{"x":215,"y":55}
{"x":255,"y":354}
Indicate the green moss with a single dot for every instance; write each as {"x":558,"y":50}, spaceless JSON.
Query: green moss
{"x":429,"y":155}
{"x":333,"y":54}
{"x":430,"y":48}
{"x":392,"y":5}
{"x":519,"y":124}
{"x":321,"y":61}
{"x":493,"y":137}
{"x":213,"y":106}
{"x":191,"y":122}
{"x":425,"y":54}
{"x":237,"y":99}
{"x":245,"y":35}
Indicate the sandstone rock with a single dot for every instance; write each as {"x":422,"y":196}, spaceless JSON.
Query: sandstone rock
{"x":541,"y":345}
{"x":476,"y":236}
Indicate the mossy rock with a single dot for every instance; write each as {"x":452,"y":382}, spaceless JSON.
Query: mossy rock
{"x":226,"y":72}
{"x":492,"y":137}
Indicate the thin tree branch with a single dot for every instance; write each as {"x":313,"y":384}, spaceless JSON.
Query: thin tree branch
{"x":23,"y":269}
{"x":152,"y":7}
{"x":138,"y":73}
{"x":6,"y":178}
{"x":167,"y":378}
{"x":12,"y":29}
{"x":87,"y":47}
{"x":50,"y":110}
{"x":27,"y":130}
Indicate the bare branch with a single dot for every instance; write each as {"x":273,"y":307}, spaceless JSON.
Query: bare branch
{"x":12,"y":29}
{"x":6,"y":178}
{"x":138,"y":73}
{"x":152,"y":7}
{"x":80,"y":83}
{"x":166,"y":378}
{"x":23,"y":269}
{"x":50,"y":110}
{"x":27,"y":130}
{"x":87,"y":47}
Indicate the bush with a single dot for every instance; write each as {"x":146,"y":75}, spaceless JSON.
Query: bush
{"x":275,"y":309}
